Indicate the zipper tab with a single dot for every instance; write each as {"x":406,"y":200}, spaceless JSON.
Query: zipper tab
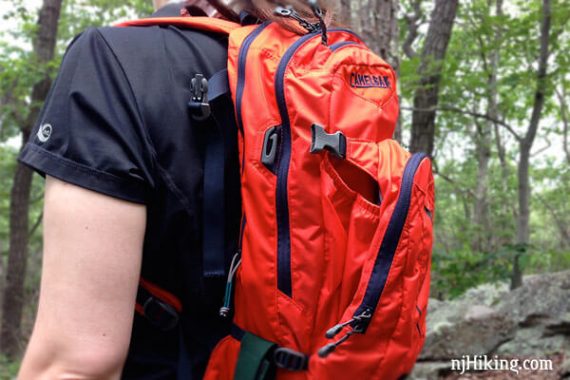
{"x":355,"y":322}
{"x":292,"y":13}
{"x":236,"y":261}
{"x":318,"y":12}
{"x":331,"y":347}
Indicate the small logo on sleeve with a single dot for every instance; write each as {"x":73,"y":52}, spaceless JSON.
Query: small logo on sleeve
{"x":358,"y":80}
{"x":44,"y":133}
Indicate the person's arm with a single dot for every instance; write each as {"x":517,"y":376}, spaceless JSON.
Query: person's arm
{"x":91,"y":266}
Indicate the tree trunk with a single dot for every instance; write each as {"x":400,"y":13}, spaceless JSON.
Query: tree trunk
{"x":481,"y":238}
{"x":379,"y":28}
{"x":565,"y":121}
{"x":426,"y":95}
{"x":525,"y":144}
{"x":14,"y":291}
{"x":345,"y":13}
{"x":13,"y":302}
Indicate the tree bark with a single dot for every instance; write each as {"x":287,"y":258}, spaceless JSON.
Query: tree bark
{"x":482,"y":239}
{"x":379,"y":28}
{"x":426,"y":95}
{"x":413,"y":22}
{"x":345,"y":13}
{"x":44,"y":48}
{"x":525,"y":145}
{"x":565,"y":121}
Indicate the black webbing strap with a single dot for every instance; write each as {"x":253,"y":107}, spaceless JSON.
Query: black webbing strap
{"x":214,"y":207}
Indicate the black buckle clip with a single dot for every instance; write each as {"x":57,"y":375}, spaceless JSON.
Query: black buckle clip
{"x":160,"y":314}
{"x":198,"y":104}
{"x":333,"y":142}
{"x":289,"y":359}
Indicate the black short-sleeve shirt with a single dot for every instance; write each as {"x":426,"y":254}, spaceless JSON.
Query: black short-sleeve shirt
{"x":116,"y":121}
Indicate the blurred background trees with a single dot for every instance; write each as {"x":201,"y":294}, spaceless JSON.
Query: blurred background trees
{"x":484,"y":88}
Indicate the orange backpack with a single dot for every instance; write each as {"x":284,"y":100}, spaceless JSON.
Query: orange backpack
{"x":333,"y":274}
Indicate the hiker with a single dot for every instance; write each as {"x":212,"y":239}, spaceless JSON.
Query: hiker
{"x":123,"y":164}
{"x":177,"y":157}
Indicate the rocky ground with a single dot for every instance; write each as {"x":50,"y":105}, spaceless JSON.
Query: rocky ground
{"x":532,"y":322}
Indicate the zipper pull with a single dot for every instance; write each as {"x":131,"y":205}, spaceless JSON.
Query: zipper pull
{"x":318,"y":12}
{"x":291,"y":13}
{"x":236,"y":261}
{"x":357,"y":323}
{"x":329,"y":348}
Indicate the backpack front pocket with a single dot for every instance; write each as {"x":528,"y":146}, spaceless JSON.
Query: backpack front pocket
{"x":386,"y":309}
{"x":350,"y":219}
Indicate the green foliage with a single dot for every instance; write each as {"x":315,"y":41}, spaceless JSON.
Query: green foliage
{"x":7,"y":165}
{"x":8,"y":369}
{"x":479,"y":32}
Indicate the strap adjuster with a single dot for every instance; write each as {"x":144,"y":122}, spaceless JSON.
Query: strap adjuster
{"x":198,"y":104}
{"x":289,"y":359}
{"x":160,"y":314}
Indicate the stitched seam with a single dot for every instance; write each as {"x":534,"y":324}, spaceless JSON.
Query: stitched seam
{"x":140,"y":114}
{"x":75,"y":165}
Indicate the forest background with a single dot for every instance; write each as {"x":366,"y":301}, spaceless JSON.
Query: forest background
{"x":484,"y":88}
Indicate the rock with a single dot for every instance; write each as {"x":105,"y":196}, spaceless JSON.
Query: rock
{"x":565,"y":368}
{"x":434,"y":304}
{"x":559,"y":326}
{"x":465,"y":330}
{"x":531,"y":341}
{"x":478,"y":312}
{"x":533,"y":320}
{"x":430,"y":370}
{"x":485,"y":294}
{"x":541,"y":297}
{"x":541,"y":308}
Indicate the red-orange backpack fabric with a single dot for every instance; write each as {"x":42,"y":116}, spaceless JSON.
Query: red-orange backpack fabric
{"x":333,"y":274}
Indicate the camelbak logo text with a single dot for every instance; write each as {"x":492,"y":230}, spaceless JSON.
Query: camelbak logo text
{"x":367,"y":81}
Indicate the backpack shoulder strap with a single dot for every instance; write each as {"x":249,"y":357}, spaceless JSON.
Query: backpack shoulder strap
{"x":207,"y":24}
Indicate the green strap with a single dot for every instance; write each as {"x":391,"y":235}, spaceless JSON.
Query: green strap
{"x":254,"y":359}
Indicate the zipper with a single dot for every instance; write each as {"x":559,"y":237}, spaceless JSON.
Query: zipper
{"x":242,"y":59}
{"x":282,"y":167}
{"x":363,"y":314}
{"x":338,"y":45}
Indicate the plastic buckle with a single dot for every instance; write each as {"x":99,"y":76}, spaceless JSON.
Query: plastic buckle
{"x":289,"y":359}
{"x":198,"y":104}
{"x":270,"y":145}
{"x":333,"y":142}
{"x":160,"y":314}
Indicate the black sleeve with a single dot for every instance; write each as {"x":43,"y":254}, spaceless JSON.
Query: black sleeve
{"x":90,"y":131}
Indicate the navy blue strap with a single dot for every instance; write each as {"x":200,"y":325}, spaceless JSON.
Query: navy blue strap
{"x":218,"y":85}
{"x":214,"y":207}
